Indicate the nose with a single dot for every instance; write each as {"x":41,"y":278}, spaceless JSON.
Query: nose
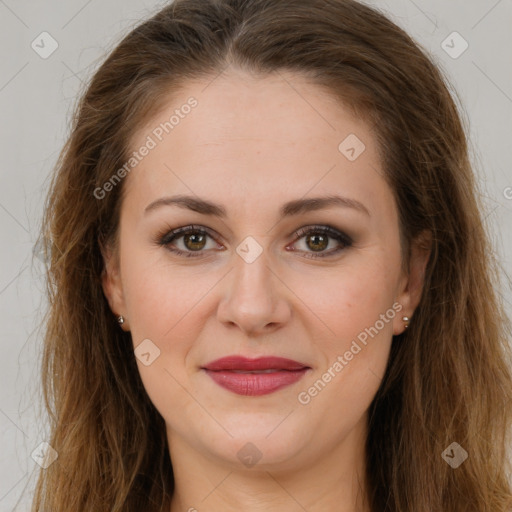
{"x":254,"y":298}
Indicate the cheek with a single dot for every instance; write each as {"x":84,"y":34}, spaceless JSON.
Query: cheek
{"x":351,"y":299}
{"x":357,"y":305}
{"x":161,"y":298}
{"x":166,"y":307}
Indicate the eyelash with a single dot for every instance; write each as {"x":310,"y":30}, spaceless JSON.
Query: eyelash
{"x":170,"y":236}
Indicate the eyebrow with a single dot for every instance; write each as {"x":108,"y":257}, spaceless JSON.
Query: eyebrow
{"x":289,"y":209}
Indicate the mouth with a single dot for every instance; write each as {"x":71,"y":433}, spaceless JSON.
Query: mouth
{"x":255,"y":377}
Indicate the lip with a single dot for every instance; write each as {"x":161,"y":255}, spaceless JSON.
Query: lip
{"x":255,"y":377}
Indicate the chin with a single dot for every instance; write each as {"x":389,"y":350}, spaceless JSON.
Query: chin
{"x":259,"y":445}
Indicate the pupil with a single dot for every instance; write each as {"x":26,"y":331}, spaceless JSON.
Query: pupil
{"x":196,"y":241}
{"x":317,"y":239}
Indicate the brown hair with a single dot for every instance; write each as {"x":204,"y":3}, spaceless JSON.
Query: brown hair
{"x":448,"y":377}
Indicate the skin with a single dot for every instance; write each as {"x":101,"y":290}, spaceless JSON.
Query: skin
{"x":252,"y":144}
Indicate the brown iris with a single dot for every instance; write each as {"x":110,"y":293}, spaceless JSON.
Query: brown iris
{"x":317,"y":242}
{"x":194,"y":241}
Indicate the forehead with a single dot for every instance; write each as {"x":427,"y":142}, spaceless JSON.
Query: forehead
{"x":268,"y":136}
{"x":273,"y":109}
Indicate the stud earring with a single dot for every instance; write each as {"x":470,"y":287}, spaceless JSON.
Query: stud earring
{"x":120,"y":320}
{"x":406,"y":320}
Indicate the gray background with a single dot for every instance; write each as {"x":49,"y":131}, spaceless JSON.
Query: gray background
{"x":36,"y":100}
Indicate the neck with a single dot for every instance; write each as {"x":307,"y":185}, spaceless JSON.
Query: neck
{"x":330,"y":481}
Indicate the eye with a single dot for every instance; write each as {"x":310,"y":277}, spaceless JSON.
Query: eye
{"x":317,"y":239}
{"x":193,"y":240}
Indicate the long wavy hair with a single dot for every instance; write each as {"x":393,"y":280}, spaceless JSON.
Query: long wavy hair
{"x":448,"y":377}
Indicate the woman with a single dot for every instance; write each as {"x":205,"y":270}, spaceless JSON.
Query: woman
{"x":270,"y":285}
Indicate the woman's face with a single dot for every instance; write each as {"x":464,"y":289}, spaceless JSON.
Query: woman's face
{"x":269,"y":269}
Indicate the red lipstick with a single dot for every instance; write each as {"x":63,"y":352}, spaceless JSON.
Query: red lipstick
{"x":254,"y":377}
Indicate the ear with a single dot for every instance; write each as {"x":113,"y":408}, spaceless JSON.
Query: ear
{"x":411,"y":284}
{"x":111,"y":281}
